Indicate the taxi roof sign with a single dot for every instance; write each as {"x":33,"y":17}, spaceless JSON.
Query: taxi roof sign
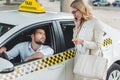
{"x":31,"y":6}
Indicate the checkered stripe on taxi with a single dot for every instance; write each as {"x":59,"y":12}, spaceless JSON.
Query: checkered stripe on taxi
{"x":37,"y":65}
{"x":107,"y":41}
{"x":69,"y":54}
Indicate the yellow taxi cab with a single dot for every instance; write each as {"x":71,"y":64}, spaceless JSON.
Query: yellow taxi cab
{"x":16,"y":26}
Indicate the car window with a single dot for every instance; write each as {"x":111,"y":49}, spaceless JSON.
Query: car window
{"x":4,"y":28}
{"x":67,"y":28}
{"x":25,"y":35}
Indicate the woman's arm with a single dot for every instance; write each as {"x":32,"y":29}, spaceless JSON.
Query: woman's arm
{"x":97,"y":36}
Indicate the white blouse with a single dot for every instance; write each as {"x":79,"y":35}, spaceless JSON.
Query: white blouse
{"x":92,"y":34}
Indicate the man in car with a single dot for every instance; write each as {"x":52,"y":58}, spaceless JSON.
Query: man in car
{"x":30,"y":50}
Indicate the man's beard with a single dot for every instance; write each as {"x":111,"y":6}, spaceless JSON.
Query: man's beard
{"x":39,"y":42}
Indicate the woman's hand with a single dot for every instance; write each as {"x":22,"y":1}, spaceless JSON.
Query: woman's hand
{"x":77,"y":22}
{"x":77,"y":41}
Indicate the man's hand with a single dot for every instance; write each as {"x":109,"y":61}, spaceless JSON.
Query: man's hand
{"x":2,"y":50}
{"x":27,"y":59}
{"x":35,"y":56}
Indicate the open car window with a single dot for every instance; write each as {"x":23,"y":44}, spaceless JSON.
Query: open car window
{"x":5,"y":28}
{"x":25,"y":35}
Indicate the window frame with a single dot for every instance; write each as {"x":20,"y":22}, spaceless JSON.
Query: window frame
{"x":62,"y":40}
{"x":53,"y":31}
{"x":6,"y":25}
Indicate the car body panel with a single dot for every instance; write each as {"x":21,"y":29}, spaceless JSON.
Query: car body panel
{"x":111,"y":51}
{"x":68,"y":69}
{"x":30,"y":18}
{"x":26,"y":19}
{"x":54,"y":66}
{"x":60,"y":65}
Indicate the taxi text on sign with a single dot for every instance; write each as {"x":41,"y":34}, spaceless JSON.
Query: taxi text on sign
{"x":31,"y":6}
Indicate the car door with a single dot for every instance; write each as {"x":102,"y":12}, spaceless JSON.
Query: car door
{"x":66,"y":28}
{"x":50,"y":68}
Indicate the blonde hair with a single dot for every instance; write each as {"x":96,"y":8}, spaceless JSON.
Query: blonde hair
{"x":85,"y":10}
{"x":83,"y":7}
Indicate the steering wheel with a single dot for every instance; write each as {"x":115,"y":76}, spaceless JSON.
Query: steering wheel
{"x":4,"y":55}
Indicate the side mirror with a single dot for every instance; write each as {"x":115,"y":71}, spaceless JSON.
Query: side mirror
{"x":6,"y":66}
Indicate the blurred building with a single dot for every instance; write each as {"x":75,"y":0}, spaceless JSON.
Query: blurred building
{"x":110,"y":1}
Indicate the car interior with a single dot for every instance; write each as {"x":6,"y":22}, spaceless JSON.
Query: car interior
{"x":4,"y":28}
{"x":67,"y":29}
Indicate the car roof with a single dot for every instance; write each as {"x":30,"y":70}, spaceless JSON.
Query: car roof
{"x":16,"y":17}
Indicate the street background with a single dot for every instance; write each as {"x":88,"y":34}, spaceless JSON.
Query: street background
{"x":110,"y":15}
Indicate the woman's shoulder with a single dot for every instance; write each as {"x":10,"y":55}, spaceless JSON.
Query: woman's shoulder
{"x":96,"y":21}
{"x":92,"y":21}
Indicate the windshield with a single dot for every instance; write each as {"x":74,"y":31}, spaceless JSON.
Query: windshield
{"x":4,"y":28}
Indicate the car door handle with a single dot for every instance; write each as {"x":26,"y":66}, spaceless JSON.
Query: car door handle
{"x":57,"y":66}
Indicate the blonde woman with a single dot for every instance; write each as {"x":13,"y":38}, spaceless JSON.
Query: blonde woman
{"x":87,"y":32}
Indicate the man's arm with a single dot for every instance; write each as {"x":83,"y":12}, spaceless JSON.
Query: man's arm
{"x":46,"y":52}
{"x":35,"y":56}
